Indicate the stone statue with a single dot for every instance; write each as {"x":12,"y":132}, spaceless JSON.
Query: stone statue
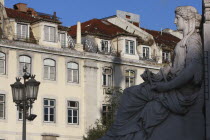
{"x":169,"y":104}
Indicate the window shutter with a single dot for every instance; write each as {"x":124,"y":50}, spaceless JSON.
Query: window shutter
{"x":28,"y":67}
{"x":18,"y":30}
{"x":2,"y":66}
{"x":52,"y":73}
{"x":109,"y":80}
{"x":46,"y":72}
{"x":52,"y":34}
{"x":21,"y":65}
{"x":1,"y":110}
{"x":75,"y":76}
{"x":24,"y":31}
{"x":46,"y":33}
{"x":127,"y":47}
{"x":69,"y":75}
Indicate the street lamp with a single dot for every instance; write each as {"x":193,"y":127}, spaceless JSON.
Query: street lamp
{"x":24,"y":96}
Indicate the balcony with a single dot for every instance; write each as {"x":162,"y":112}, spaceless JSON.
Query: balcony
{"x":153,"y":58}
{"x":24,"y":38}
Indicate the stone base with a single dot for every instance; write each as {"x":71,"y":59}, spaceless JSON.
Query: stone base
{"x":79,"y":47}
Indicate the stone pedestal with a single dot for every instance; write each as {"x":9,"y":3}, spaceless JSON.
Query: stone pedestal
{"x":79,"y":47}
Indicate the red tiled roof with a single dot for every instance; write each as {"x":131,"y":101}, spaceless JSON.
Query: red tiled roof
{"x":20,"y":16}
{"x":25,"y":17}
{"x":98,"y":27}
{"x":164,"y":39}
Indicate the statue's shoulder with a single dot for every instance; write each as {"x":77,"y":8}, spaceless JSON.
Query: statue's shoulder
{"x":194,"y":40}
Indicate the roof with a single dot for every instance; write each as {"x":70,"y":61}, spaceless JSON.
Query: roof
{"x":99,"y":27}
{"x":19,"y":16}
{"x":26,"y":17}
{"x":166,"y":40}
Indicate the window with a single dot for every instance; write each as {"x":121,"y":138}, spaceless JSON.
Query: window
{"x":107,"y":77}
{"x":49,"y":110}
{"x":2,"y":63}
{"x":22,"y":31}
{"x":49,"y":69}
{"x":2,"y":106}
{"x":73,"y":112}
{"x":166,"y":57}
{"x":73,"y":72}
{"x":146,"y":52}
{"x":129,"y":78}
{"x":24,"y":61}
{"x":49,"y":33}
{"x":20,"y":114}
{"x":106,"y":113}
{"x":105,"y":46}
{"x":62,"y":38}
{"x":129,"y":47}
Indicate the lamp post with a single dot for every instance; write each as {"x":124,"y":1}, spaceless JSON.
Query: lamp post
{"x":24,"y":96}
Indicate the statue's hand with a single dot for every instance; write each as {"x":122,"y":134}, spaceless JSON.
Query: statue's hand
{"x":160,"y":87}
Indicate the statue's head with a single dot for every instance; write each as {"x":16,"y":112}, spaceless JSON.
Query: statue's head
{"x":189,"y":15}
{"x":187,"y":20}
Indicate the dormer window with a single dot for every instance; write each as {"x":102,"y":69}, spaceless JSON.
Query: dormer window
{"x":146,"y":52}
{"x":62,"y":39}
{"x":129,"y":47}
{"x":22,"y":31}
{"x":105,"y":46}
{"x":49,"y":33}
{"x":166,"y":57}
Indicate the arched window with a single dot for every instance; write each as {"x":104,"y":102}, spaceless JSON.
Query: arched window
{"x":49,"y":69}
{"x":2,"y":63}
{"x":107,"y":77}
{"x":24,"y":62}
{"x":73,"y":72}
{"x":129,"y":78}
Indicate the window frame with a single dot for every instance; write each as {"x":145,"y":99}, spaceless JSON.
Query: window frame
{"x":49,"y":70}
{"x":4,"y":106}
{"x":164,"y":58}
{"x":72,"y":109}
{"x":20,"y":36}
{"x":72,"y":73}
{"x":145,"y":52}
{"x":128,"y":47}
{"x":129,"y":78}
{"x":28,"y":70}
{"x":63,"y":43}
{"x":48,"y":29}
{"x":106,"y":50}
{"x":107,"y":83}
{"x":48,"y":108}
{"x":4,"y":61}
{"x":107,"y":112}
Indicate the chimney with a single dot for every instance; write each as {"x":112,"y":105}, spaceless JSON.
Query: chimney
{"x":78,"y":33}
{"x":21,"y":7}
{"x":78,"y":45}
{"x":32,"y":12}
{"x":54,"y":16}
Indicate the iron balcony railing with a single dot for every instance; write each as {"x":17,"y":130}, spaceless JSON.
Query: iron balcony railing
{"x":25,"y":38}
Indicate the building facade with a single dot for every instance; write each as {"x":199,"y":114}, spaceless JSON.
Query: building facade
{"x":76,"y":66}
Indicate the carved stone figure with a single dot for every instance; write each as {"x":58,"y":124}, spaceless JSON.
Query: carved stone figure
{"x":169,"y":104}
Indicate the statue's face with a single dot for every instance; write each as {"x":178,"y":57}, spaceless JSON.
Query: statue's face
{"x":180,"y":23}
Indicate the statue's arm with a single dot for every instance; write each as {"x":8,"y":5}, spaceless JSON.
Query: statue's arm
{"x":183,"y":78}
{"x":192,"y":71}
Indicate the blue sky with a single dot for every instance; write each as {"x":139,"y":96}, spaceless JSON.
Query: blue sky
{"x":154,"y":14}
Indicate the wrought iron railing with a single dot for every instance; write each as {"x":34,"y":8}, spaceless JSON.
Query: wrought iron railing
{"x":24,"y":38}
